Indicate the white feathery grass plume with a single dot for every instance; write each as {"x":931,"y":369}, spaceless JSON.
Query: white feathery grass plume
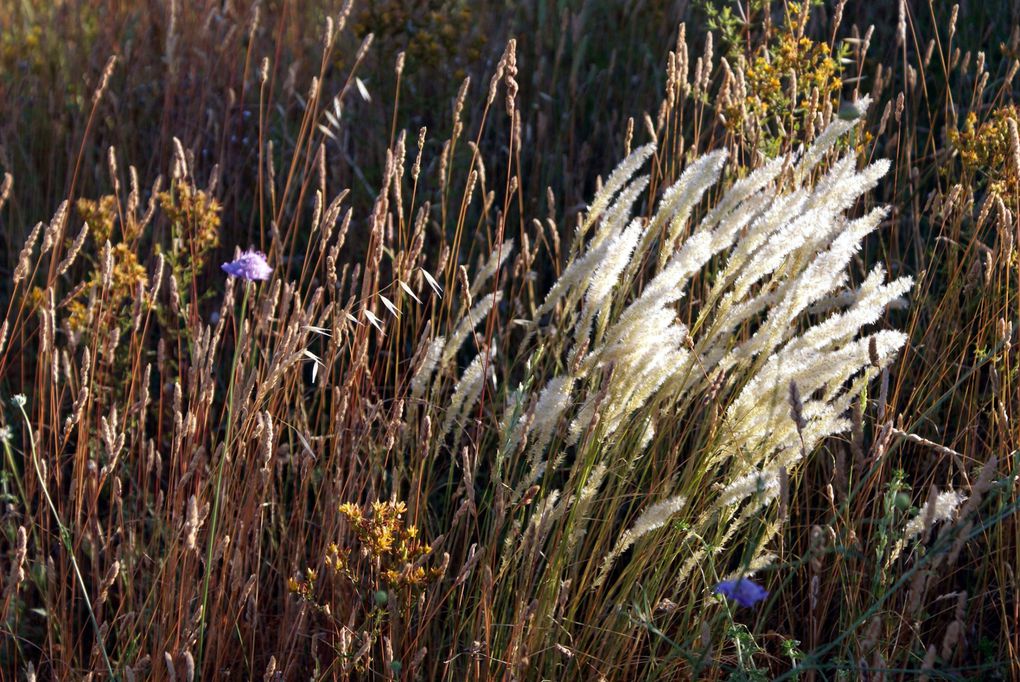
{"x":467,"y":323}
{"x":420,"y":380}
{"x":868,"y":303}
{"x":841,"y":196}
{"x":606,"y":275}
{"x":741,"y":191}
{"x":759,"y":563}
{"x":466,"y":393}
{"x":592,"y":485}
{"x":946,"y":505}
{"x":784,"y":251}
{"x":600,"y":248}
{"x":776,"y":251}
{"x":839,"y":188}
{"x":776,"y":215}
{"x":824,"y":274}
{"x":785,"y":290}
{"x":810,"y":369}
{"x":643,"y":357}
{"x":837,"y":175}
{"x":796,"y":292}
{"x":667,"y":285}
{"x":760,"y":409}
{"x":828,"y":137}
{"x":651,"y":519}
{"x":618,"y":214}
{"x":682,"y":196}
{"x":944,"y":509}
{"x":765,"y":483}
{"x":573,"y":275}
{"x":617,"y":179}
{"x":680,"y":199}
{"x":582,"y":503}
{"x":495,"y":261}
{"x":552,"y":402}
{"x":647,"y":372}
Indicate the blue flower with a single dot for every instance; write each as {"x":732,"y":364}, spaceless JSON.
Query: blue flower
{"x":250,"y":265}
{"x":743,"y":591}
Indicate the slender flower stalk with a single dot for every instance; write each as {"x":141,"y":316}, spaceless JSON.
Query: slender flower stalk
{"x":218,"y":493}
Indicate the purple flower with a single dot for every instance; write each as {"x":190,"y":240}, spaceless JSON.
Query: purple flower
{"x":250,"y":265}
{"x":743,"y":591}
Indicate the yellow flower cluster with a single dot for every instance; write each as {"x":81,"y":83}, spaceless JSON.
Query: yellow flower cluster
{"x":195,"y":217}
{"x":395,"y":558}
{"x":126,"y":275}
{"x":768,"y":79}
{"x":101,"y":215}
{"x":985,"y":151}
{"x":304,"y":589}
{"x":393,"y":546}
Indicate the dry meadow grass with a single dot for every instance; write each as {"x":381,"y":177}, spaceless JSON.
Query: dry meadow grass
{"x":576,"y":311}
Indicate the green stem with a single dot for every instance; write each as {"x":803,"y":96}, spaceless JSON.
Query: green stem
{"x":219,"y":479}
{"x":65,"y":537}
